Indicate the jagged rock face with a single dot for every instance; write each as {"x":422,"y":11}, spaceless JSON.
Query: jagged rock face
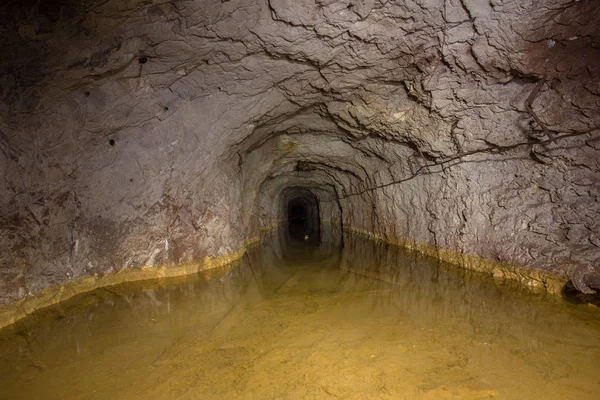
{"x":150,"y":132}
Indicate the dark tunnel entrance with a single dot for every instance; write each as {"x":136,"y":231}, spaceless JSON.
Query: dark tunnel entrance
{"x":303,"y":222}
{"x":309,"y":220}
{"x":296,"y":210}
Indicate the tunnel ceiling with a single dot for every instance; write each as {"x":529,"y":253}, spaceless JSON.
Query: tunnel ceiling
{"x":147,"y":132}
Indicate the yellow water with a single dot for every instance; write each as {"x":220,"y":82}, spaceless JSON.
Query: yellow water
{"x":310,"y":322}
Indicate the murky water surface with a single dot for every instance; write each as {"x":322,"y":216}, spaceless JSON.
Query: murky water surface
{"x":308,"y":322}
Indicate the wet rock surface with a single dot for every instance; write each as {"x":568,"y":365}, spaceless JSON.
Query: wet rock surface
{"x":150,"y":132}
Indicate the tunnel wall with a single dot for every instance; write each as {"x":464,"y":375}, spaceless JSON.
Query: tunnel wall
{"x":142,"y":133}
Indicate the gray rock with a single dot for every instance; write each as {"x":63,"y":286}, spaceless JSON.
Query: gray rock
{"x":148,"y":132}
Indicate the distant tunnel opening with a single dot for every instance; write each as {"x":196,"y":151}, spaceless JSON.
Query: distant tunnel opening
{"x":297,"y":211}
{"x":306,"y":211}
{"x":303,"y":222}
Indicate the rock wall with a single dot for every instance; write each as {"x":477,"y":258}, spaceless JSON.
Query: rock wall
{"x":149,"y":132}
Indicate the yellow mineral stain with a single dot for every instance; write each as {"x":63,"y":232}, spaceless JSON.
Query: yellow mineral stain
{"x":529,"y":277}
{"x":12,"y":312}
{"x":399,"y":116}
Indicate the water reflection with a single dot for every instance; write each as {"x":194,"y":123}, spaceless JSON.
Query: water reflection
{"x":308,"y":319}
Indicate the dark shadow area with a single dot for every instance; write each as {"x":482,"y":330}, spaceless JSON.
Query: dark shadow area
{"x":303,"y":218}
{"x":572,"y":295}
{"x":303,"y":223}
{"x":307,"y":232}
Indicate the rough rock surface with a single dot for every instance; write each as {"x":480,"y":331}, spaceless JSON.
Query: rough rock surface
{"x":148,"y":132}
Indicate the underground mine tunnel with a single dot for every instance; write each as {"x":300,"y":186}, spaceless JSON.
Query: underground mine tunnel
{"x":303,"y":220}
{"x":299,"y":199}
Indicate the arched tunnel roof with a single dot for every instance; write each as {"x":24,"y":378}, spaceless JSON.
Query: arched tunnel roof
{"x":129,"y":125}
